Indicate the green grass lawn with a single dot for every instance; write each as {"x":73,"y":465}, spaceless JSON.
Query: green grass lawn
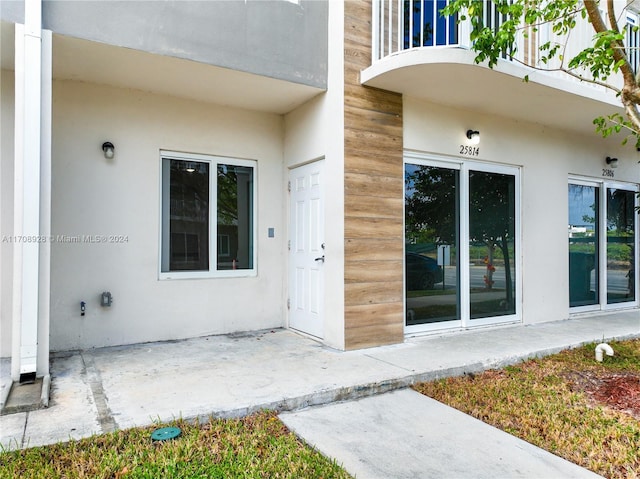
{"x":257,"y":446}
{"x":553,"y":403}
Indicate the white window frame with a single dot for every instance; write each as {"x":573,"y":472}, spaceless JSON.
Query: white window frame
{"x":213,"y":162}
{"x":463,"y":166}
{"x":602,"y":305}
{"x":632,"y":40}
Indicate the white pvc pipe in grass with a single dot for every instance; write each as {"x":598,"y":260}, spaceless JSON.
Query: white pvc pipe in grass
{"x":603,"y":347}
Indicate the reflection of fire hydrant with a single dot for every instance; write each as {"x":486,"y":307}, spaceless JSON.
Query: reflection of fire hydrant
{"x":488,"y":278}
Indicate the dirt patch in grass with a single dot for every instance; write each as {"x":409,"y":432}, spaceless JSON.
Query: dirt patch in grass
{"x":619,"y":391}
{"x":568,"y":404}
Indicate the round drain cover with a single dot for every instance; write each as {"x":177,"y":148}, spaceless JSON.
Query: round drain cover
{"x":165,"y":433}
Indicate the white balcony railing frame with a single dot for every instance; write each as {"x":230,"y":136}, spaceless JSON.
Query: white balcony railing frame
{"x":390,"y":38}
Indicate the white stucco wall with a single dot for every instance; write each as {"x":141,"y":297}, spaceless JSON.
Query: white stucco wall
{"x":316,"y":130}
{"x":95,"y":196}
{"x":6,"y":208}
{"x":547,"y":157}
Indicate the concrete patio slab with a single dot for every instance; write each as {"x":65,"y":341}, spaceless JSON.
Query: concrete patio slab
{"x":227,"y":376}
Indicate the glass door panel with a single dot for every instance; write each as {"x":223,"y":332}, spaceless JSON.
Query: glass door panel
{"x":431,"y":235}
{"x":620,"y":245}
{"x":583,"y":245}
{"x":492,"y":219}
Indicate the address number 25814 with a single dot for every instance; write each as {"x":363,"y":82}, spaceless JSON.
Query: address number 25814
{"x":469,"y":150}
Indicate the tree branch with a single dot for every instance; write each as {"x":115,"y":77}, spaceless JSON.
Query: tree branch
{"x":612,"y":16}
{"x":631,"y":109}
{"x":571,"y":73}
{"x":591,"y":6}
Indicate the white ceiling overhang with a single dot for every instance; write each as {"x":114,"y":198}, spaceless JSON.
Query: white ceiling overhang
{"x":82,"y":60}
{"x":449,"y":76}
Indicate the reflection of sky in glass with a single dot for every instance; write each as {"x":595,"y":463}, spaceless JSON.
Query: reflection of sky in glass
{"x":582,"y":200}
{"x":409,"y":170}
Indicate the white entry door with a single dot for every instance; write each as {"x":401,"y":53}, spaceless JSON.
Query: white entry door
{"x":306,"y":248}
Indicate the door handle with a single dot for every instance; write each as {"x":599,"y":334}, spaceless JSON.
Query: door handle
{"x":321,"y":258}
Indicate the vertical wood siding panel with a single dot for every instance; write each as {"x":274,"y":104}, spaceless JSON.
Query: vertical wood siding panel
{"x":373,"y":130}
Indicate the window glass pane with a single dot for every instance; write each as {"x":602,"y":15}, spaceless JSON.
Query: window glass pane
{"x":235,"y":217}
{"x":431,"y":236}
{"x":185,"y":215}
{"x":583,"y":245}
{"x":492,"y":218}
{"x":620,"y":245}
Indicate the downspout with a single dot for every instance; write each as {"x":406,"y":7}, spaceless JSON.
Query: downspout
{"x":44,"y":278}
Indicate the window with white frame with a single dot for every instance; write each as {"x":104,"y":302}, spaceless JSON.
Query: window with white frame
{"x":208,"y":216}
{"x":632,"y":40}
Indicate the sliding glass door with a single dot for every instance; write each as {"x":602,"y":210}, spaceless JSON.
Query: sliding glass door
{"x":432,"y":212}
{"x":602,"y":238}
{"x":584,"y":234}
{"x":621,"y":240}
{"x":461,"y":232}
{"x":492,"y":220}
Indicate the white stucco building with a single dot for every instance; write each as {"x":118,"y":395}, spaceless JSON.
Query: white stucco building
{"x":325,"y":176}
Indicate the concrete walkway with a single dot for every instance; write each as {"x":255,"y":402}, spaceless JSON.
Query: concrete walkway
{"x":99,"y":390}
{"x":405,"y":435}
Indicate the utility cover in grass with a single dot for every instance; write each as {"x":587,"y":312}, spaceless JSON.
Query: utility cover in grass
{"x":165,"y":433}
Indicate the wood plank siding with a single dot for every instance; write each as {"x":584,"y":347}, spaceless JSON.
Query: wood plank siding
{"x":374,"y":196}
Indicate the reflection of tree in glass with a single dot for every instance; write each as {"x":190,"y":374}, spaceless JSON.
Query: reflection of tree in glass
{"x":492,"y":220}
{"x":227,"y":195}
{"x":620,"y":232}
{"x":620,"y":211}
{"x":431,"y":214}
{"x":578,"y":195}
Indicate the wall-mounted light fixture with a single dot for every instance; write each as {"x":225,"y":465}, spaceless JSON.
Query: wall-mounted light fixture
{"x":108,"y":149}
{"x":474,"y":136}
{"x":612,"y":162}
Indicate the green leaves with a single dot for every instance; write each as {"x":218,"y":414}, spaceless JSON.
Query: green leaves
{"x":509,"y":21}
{"x":499,"y":26}
{"x":599,"y":59}
{"x":616,"y":123}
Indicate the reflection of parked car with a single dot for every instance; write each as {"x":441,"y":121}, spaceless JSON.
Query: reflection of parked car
{"x":422,"y":272}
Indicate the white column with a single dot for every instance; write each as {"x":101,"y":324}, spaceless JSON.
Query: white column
{"x":27,"y":193}
{"x":16,"y":339}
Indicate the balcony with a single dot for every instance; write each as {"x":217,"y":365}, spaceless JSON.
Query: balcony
{"x":420,"y":53}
